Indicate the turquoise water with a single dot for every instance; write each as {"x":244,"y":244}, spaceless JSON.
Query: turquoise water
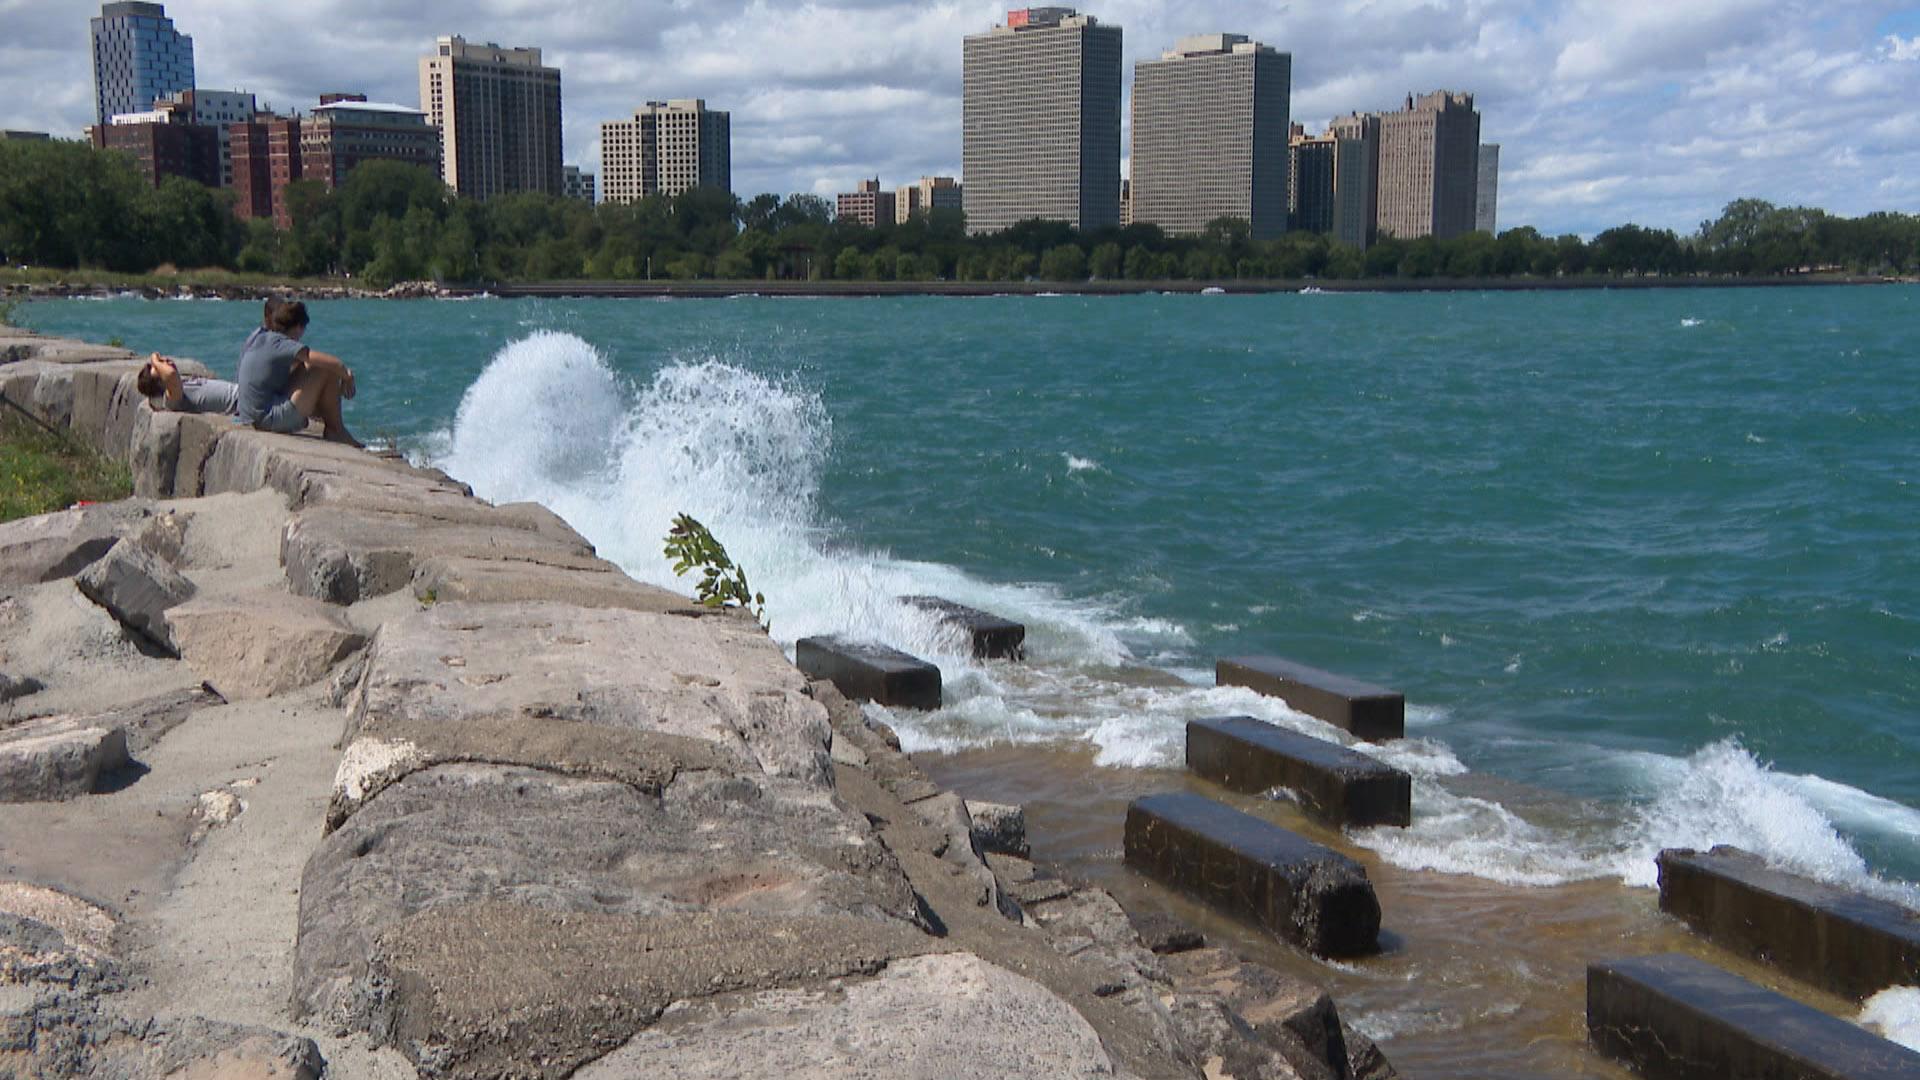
{"x":1651,"y":554}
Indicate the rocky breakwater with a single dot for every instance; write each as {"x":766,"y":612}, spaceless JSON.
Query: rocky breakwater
{"x":416,"y":784}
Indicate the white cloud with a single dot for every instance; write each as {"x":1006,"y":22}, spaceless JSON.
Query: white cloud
{"x":1651,"y":111}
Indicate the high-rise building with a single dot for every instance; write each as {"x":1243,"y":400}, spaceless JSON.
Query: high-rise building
{"x":266,"y":158}
{"x":1040,"y":121}
{"x":1356,"y":179}
{"x":1429,"y":167}
{"x":579,"y":185}
{"x":1311,"y":188}
{"x":218,"y":109}
{"x":929,"y":193}
{"x":15,"y":135}
{"x":866,"y":204}
{"x":138,"y":58}
{"x":498,"y":111}
{"x":667,"y":148}
{"x":1486,"y":212}
{"x":347,"y":130}
{"x":1210,"y":135}
{"x":1126,"y":203}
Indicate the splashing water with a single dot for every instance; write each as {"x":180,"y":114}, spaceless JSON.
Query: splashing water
{"x":549,"y":420}
{"x":1895,"y":1013}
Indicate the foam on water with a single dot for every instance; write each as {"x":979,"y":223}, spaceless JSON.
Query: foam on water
{"x":1895,"y":1014}
{"x":549,"y":420}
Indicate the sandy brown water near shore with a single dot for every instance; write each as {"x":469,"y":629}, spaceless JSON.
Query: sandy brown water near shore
{"x":1478,"y":979}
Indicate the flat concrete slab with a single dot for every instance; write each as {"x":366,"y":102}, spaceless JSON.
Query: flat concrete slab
{"x":1674,"y":1017}
{"x":1333,"y":783}
{"x":1311,"y":896}
{"x":57,"y":757}
{"x":1373,"y":713}
{"x":1834,"y":938}
{"x":869,"y":672}
{"x":992,"y":637}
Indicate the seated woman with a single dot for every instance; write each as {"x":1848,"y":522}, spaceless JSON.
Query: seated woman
{"x":284,"y":384}
{"x":161,"y":383}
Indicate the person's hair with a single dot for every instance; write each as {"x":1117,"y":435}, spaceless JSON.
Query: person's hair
{"x":287,"y":317}
{"x":267,"y":310}
{"x":149,"y":382}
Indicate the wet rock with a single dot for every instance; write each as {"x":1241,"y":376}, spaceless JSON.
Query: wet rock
{"x":1165,"y":935}
{"x":989,"y":636}
{"x":948,"y":1015}
{"x":1290,"y":1015}
{"x":137,"y":589}
{"x":57,"y":757}
{"x":999,"y":828}
{"x":256,"y":645}
{"x":60,"y":545}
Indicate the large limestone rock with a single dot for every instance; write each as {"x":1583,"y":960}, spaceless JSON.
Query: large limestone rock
{"x":344,"y":556}
{"x":58,"y":545}
{"x":454,"y":579}
{"x":259,"y":644}
{"x":720,"y":680}
{"x":57,"y":757}
{"x":923,"y":1018}
{"x":153,"y":455}
{"x":456,"y":835}
{"x":137,"y":588}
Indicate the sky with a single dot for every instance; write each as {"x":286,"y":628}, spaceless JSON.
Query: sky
{"x":1651,"y":112}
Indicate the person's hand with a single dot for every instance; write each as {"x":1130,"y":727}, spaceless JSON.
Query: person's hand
{"x":163,"y":366}
{"x":346,"y":384}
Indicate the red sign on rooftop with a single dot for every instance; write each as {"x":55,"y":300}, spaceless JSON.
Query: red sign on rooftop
{"x":1018,"y":18}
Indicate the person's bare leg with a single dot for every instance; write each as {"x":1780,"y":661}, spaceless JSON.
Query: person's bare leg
{"x":316,"y":393}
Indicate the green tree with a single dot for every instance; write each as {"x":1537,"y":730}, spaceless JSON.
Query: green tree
{"x":1064,"y":263}
{"x":1107,"y":262}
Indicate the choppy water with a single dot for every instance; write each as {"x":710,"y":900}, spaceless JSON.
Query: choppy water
{"x":1643,"y":563}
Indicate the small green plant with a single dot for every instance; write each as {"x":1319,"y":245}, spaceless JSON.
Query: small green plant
{"x":116,"y":342}
{"x":722,"y":584}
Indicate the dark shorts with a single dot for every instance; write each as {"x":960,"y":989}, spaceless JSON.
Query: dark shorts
{"x":284,"y":418}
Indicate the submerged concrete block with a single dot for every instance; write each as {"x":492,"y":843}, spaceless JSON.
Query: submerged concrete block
{"x":1370,"y":712}
{"x":1831,"y":937}
{"x":1311,"y":896}
{"x":992,"y":637}
{"x":1333,"y":783}
{"x":1674,"y":1017}
{"x":868,"y":672}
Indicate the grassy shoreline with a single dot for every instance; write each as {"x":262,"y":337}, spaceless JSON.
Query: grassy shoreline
{"x":42,"y":470}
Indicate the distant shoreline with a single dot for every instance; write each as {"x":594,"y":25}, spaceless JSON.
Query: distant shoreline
{"x":696,"y":290}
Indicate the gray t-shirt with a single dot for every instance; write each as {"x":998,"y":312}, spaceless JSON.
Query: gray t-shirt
{"x":202,"y":396}
{"x":266,"y":372}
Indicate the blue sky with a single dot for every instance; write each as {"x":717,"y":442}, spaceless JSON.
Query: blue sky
{"x":1608,"y":111}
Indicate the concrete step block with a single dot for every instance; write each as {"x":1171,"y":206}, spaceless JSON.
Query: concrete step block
{"x":1370,"y":712}
{"x":1675,"y":1017}
{"x":993,"y":638}
{"x":869,"y":672}
{"x":1825,"y":935}
{"x":1333,"y":783}
{"x":1309,"y":895}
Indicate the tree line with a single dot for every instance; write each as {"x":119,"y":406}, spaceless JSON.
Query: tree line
{"x":67,"y":205}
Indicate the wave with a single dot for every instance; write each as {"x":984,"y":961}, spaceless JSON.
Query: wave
{"x":1895,"y":1013}
{"x":549,"y":420}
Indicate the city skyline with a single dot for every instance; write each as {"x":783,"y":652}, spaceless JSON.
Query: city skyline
{"x":1651,"y":113}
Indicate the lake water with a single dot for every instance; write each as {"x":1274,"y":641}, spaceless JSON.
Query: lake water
{"x":1644,"y":563}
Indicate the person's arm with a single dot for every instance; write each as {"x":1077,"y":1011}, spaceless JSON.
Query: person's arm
{"x":316,"y":358}
{"x":169,"y":377}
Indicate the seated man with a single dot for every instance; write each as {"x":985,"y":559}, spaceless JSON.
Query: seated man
{"x":161,"y":383}
{"x":284,"y":384}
